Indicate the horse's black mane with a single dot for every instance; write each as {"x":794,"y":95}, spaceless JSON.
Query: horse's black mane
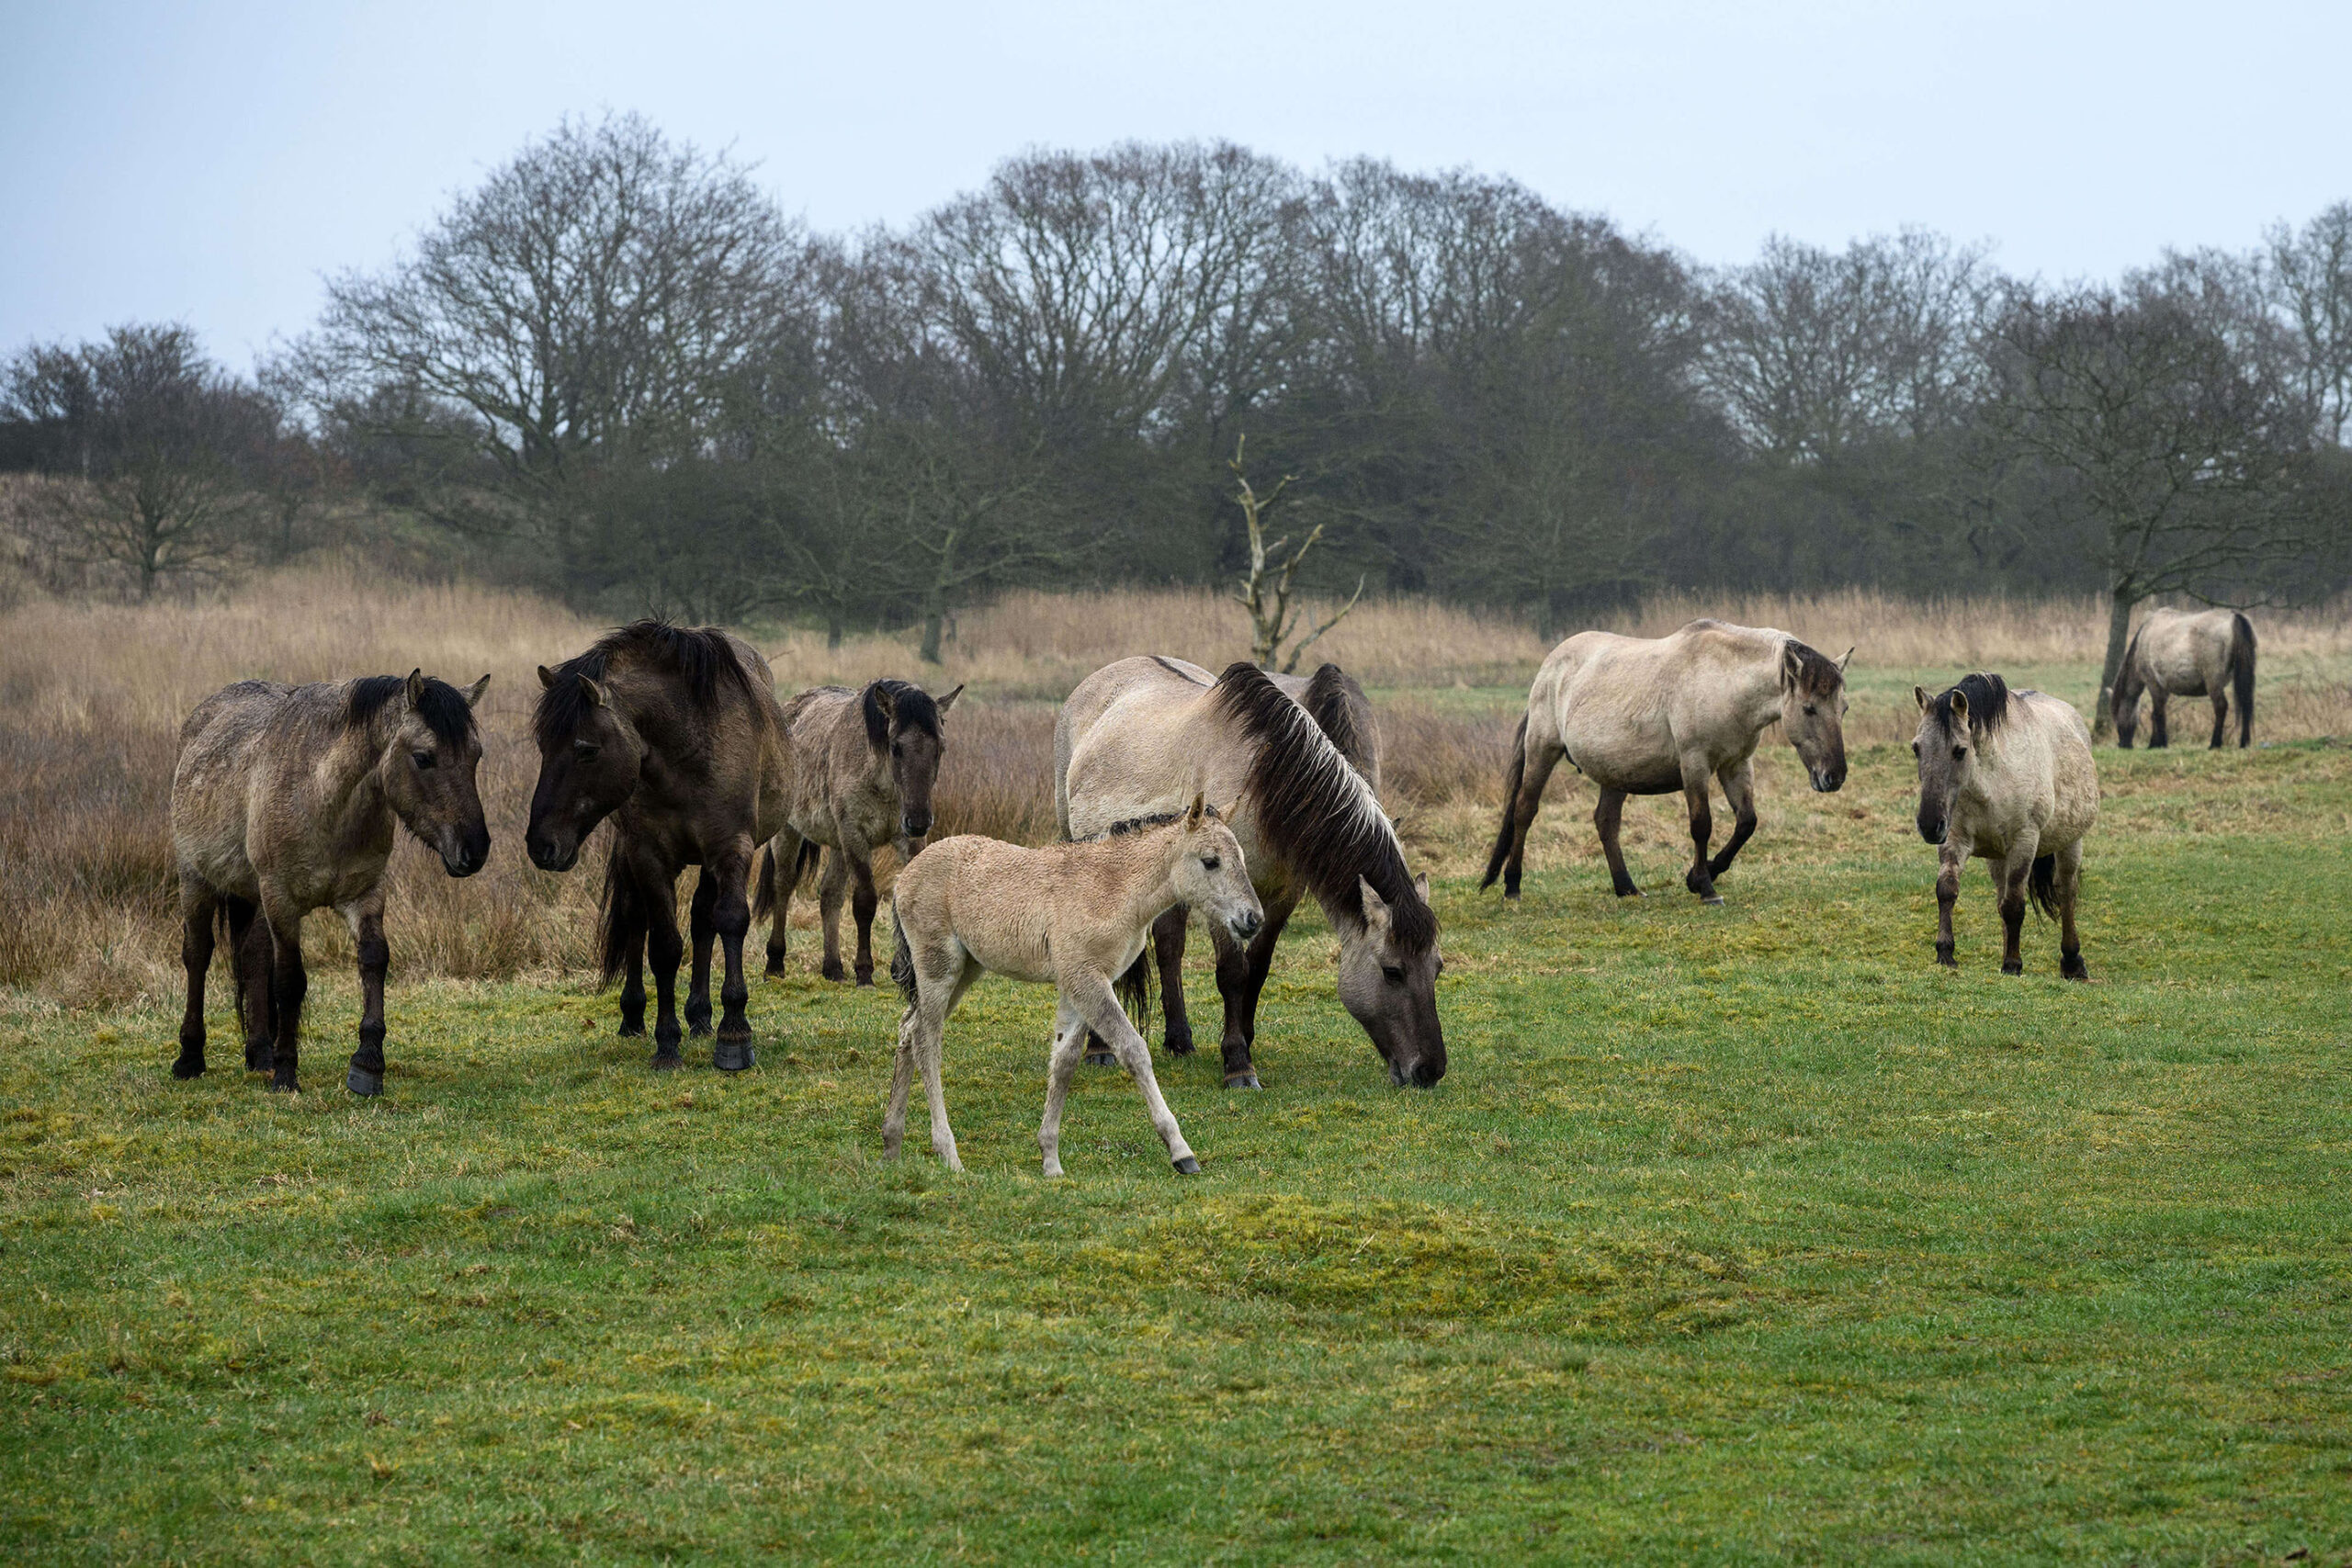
{"x":444,"y":708}
{"x":911,"y":708}
{"x":1818,"y":674}
{"x":1988,"y":703}
{"x":700,"y":656}
{"x":1311,"y":807}
{"x":1145,"y":824}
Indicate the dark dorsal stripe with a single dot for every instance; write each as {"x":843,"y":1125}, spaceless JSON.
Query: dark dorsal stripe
{"x":1315,"y":811}
{"x":911,"y":708}
{"x":1988,"y":703}
{"x":444,"y":708}
{"x":1176,"y":670}
{"x":701,"y":657}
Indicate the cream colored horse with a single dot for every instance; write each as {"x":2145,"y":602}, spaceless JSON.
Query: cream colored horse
{"x":1075,"y":916}
{"x":2186,"y":653}
{"x":1129,"y":742}
{"x":2007,"y":777}
{"x":1649,"y":716}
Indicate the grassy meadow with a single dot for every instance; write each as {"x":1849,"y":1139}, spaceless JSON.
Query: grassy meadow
{"x":1732,"y":1235}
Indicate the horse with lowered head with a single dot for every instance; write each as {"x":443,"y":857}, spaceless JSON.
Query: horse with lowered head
{"x":2006,"y":776}
{"x":1650,"y":716}
{"x":1138,"y":737}
{"x":287,"y":799}
{"x":2186,"y":653}
{"x":674,"y":733}
{"x":864,"y":764}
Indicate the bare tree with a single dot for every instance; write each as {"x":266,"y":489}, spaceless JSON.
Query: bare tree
{"x":166,"y":447}
{"x":1266,"y":586}
{"x":2311,"y":277}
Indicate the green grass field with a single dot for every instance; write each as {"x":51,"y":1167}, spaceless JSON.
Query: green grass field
{"x":1732,"y":1235}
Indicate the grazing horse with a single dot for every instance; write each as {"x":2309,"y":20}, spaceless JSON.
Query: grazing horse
{"x":2006,"y":776}
{"x":863,"y":767}
{"x":2186,"y":653}
{"x":1073,"y":915}
{"x":674,"y":733}
{"x":1650,"y":716}
{"x":287,"y":799}
{"x":1128,"y":743}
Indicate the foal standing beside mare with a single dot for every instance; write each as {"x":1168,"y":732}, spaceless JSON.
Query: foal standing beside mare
{"x":2186,"y":653}
{"x":1074,"y":915}
{"x":2008,"y":777}
{"x":673,"y":732}
{"x":1650,"y":716}
{"x":287,"y":799}
{"x":864,"y":764}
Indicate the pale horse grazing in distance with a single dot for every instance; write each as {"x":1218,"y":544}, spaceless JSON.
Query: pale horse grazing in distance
{"x":2186,"y":653}
{"x":1073,"y":915}
{"x":1650,"y":716}
{"x":2007,"y":777}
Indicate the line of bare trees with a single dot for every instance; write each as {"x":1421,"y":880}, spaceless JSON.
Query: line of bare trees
{"x":617,"y":369}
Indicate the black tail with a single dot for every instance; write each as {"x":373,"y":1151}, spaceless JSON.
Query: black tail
{"x":621,"y":915}
{"x":2041,"y":884}
{"x":768,"y":895}
{"x":902,"y":960}
{"x":2242,"y":675}
{"x":1134,"y":990}
{"x":1511,"y":782}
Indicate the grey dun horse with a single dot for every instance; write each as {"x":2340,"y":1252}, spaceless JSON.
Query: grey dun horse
{"x":2186,"y":653}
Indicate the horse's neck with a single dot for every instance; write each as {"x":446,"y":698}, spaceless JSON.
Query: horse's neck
{"x":1758,"y":687}
{"x":1152,"y":891}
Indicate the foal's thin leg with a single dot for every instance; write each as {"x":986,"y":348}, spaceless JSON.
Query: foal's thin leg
{"x":1608,"y":816}
{"x":1524,"y":809}
{"x":903,"y":1073}
{"x":1168,"y":950}
{"x":731,"y":915}
{"x":366,"y":919}
{"x":700,"y":930}
{"x":1699,"y":879}
{"x":863,"y":902}
{"x":832,"y":885}
{"x":1061,"y":1065}
{"x":1092,"y":993}
{"x":931,"y":1017}
{"x":289,"y":982}
{"x":1739,"y":788}
{"x":2069,"y":882}
{"x":1952,"y":857}
{"x":2015,"y":871}
{"x":197,"y":903}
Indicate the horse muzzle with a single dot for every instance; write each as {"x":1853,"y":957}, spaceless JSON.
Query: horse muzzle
{"x":1933,"y":828}
{"x":1828,"y":780}
{"x":913,"y":825}
{"x":1246,"y":924}
{"x":462,"y":854}
{"x":1422,"y":1073}
{"x":548,"y":856}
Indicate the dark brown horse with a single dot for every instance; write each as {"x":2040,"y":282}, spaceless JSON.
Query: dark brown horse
{"x":674,"y":733}
{"x":287,"y":799}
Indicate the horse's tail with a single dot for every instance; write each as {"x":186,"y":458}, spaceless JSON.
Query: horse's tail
{"x":620,"y":915}
{"x":902,"y":958}
{"x":2041,"y":884}
{"x":1511,"y":782}
{"x":1134,"y":989}
{"x":2126,"y":680}
{"x":2242,"y":674}
{"x":768,"y":892}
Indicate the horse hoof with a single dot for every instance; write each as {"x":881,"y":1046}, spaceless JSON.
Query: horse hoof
{"x":1180,"y":1041}
{"x":697,"y":1028}
{"x":866,"y":977}
{"x":1188,"y":1165}
{"x":632,"y":1031}
{"x":284,"y":1086}
{"x":2012,"y":968}
{"x":1242,"y":1080}
{"x":360,"y":1081}
{"x":668,"y":1061}
{"x":2077,"y":972}
{"x":188,"y":1068}
{"x":732,"y":1055}
{"x":775,"y":971}
{"x":1100,"y":1060}
{"x":263,"y":1060}
{"x":835,"y":973}
{"x":1713,"y":900}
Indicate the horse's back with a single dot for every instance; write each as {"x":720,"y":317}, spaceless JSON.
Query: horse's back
{"x":2074,"y":769}
{"x":1126,"y":744}
{"x":221,"y":745}
{"x":2047,"y":778}
{"x":1617,"y":705}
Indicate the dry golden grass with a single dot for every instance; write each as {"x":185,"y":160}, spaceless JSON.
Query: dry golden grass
{"x":91,"y":698}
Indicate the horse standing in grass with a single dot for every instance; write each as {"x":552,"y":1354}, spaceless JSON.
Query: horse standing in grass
{"x":287,"y":799}
{"x":1074,"y":915}
{"x":2186,"y":653}
{"x":864,"y":764}
{"x":673,"y":732}
{"x":1127,"y":743}
{"x":2008,"y":777}
{"x":1650,"y":716}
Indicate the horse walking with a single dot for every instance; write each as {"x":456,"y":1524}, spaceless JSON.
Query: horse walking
{"x":2007,"y":777}
{"x":2186,"y":653}
{"x":864,"y":764}
{"x":1650,"y":716}
{"x":674,"y":733}
{"x":287,"y":799}
{"x":1073,"y":915}
{"x":1129,"y":741}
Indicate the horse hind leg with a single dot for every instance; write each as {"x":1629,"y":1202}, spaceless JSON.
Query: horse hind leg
{"x":289,"y":982}
{"x":732,"y":918}
{"x":1070,"y":1034}
{"x":2015,"y":871}
{"x":2221,"y":716}
{"x":249,"y":956}
{"x":1168,"y":934}
{"x":833,"y":887}
{"x":1608,"y":818}
{"x":701,"y":927}
{"x":1739,"y":788}
{"x":199,"y":906}
{"x":2070,"y":943}
{"x":365,"y":1076}
{"x":1524,"y":808}
{"x":2159,"y":732}
{"x":863,"y":902}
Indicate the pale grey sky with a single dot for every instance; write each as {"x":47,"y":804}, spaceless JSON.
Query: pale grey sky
{"x":209,"y":161}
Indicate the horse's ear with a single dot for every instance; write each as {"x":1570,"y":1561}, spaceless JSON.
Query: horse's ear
{"x":1422,"y":886}
{"x":1231,"y":809}
{"x":1959,"y":707}
{"x":882,"y":697}
{"x":1920,"y":695}
{"x":415,"y":689}
{"x":1199,"y":809}
{"x":474,"y":691}
{"x":1376,"y":908}
{"x":1843,"y":663}
{"x":547,"y":676}
{"x":943,"y":704}
{"x":592,"y":691}
{"x":1791,"y":665}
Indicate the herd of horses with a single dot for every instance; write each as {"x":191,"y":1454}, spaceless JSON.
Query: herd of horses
{"x":1230,"y":797}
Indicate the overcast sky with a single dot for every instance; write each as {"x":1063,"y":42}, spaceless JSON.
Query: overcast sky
{"x":208,"y":163}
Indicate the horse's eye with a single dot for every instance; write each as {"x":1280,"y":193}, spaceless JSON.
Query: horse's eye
{"x":1396,"y":975}
{"x":1915,"y":747}
{"x":1958,"y":752}
{"x":1210,"y":862}
{"x":1810,"y":708}
{"x":897,"y":749}
{"x":423,"y":759}
{"x":584,"y":749}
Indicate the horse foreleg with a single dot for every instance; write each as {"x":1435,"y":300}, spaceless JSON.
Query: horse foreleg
{"x":250,"y":957}
{"x":366,"y":919}
{"x":633,"y":983}
{"x":1093,"y":995}
{"x":1953,"y":858}
{"x":1524,"y":808}
{"x":863,"y":902}
{"x":1699,"y":878}
{"x":730,"y":914}
{"x":2069,"y":882}
{"x":2014,"y":870}
{"x":289,"y":983}
{"x":1241,"y":978}
{"x":701,"y":929}
{"x":198,"y":907}
{"x":1168,"y":949}
{"x":1739,"y":788}
{"x":1607,"y":817}
{"x":832,"y":886}
{"x":663,"y":948}
{"x":1061,"y":1065}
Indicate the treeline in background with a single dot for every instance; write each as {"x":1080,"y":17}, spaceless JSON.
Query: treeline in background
{"x":617,"y":374}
